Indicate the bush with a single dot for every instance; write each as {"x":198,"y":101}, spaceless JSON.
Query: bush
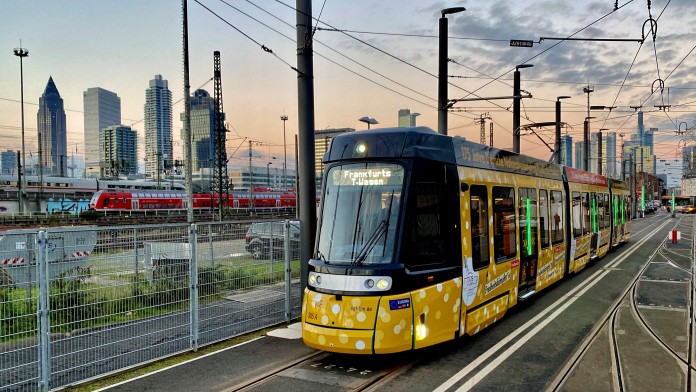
{"x":90,"y":215}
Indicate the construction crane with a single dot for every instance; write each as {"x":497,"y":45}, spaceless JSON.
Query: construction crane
{"x":221,"y":181}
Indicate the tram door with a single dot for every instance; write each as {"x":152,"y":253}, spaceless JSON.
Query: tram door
{"x":593,"y":225}
{"x":527,"y":207}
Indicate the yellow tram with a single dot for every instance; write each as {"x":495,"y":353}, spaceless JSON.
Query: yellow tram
{"x":423,"y":238}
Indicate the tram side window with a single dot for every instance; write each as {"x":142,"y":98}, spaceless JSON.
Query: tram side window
{"x":479,"y":226}
{"x":544,"y":218}
{"x":627,"y":212}
{"x":586,"y":225}
{"x":527,"y":211}
{"x":428,"y":235}
{"x":557,"y":212}
{"x":577,"y":215}
{"x":607,"y":212}
{"x":504,"y":222}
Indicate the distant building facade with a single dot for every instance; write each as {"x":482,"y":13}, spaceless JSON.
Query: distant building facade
{"x":158,"y":126}
{"x":52,"y":131}
{"x":202,"y":130}
{"x":567,"y":150}
{"x":579,"y":155}
{"x":119,"y":144}
{"x":102,"y":108}
{"x":406,"y":118}
{"x":8,"y":162}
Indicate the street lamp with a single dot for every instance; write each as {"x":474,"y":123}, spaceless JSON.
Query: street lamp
{"x":21,"y":53}
{"x":284,"y":118}
{"x":586,"y":144}
{"x":442,"y":102}
{"x":516,"y":108}
{"x":558,"y":127}
{"x":368,"y":121}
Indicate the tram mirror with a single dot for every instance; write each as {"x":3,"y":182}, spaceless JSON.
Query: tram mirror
{"x":464,"y":187}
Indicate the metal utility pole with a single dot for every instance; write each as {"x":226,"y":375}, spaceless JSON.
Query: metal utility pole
{"x":305,"y":128}
{"x":284,"y":118}
{"x":491,"y":144}
{"x":599,"y":152}
{"x":586,"y":144}
{"x":557,"y":145}
{"x":220,"y":179}
{"x":442,"y":101}
{"x":21,"y":53}
{"x":187,"y":118}
{"x":517,"y":99}
{"x":482,"y":121}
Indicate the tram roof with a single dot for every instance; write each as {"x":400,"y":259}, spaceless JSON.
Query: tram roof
{"x":423,"y":142}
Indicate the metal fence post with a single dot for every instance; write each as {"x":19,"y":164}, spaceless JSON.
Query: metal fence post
{"x":210,"y":243}
{"x":193,"y":293}
{"x":271,"y":247}
{"x":43,"y":314}
{"x":286,"y":251}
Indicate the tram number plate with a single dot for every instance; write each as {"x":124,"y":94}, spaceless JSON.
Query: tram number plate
{"x":342,"y":369}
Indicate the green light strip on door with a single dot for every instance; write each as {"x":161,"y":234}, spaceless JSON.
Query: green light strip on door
{"x":529,"y":228}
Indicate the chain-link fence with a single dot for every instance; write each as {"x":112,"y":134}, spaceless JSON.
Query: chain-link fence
{"x":76,"y":304}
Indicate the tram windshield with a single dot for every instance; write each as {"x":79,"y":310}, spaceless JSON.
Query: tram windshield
{"x":360,"y":213}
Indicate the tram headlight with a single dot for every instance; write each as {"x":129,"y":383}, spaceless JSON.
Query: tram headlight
{"x":314,"y":279}
{"x":369,"y":283}
{"x":383,"y":284}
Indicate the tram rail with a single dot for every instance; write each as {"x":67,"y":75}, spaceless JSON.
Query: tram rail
{"x":611,"y":323}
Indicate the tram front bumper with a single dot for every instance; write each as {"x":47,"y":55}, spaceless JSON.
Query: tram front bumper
{"x":355,"y":325}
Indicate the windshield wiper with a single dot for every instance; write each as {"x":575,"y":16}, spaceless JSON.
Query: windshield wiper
{"x":371,"y":242}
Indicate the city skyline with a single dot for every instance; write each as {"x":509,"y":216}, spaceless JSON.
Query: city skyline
{"x":259,"y":88}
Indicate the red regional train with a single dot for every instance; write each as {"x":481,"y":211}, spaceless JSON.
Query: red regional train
{"x":149,"y":200}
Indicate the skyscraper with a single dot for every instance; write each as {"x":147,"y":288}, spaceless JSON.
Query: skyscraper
{"x":611,"y":164}
{"x":52,"y":131}
{"x":102,"y":109}
{"x":158,"y":125}
{"x":579,"y":154}
{"x":567,"y":150}
{"x":119,"y":146}
{"x":649,"y":139}
{"x":8,"y":162}
{"x":406,"y":118}
{"x":202,"y":129}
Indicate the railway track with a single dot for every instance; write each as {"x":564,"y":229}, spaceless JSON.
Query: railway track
{"x":327,"y":371}
{"x":647,"y":313}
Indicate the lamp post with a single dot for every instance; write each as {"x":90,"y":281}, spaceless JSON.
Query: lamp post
{"x":516,"y":108}
{"x":442,"y":102}
{"x":284,"y":118}
{"x":586,"y":144}
{"x":268,"y":173}
{"x":21,"y":53}
{"x":368,"y":121}
{"x":558,"y":127}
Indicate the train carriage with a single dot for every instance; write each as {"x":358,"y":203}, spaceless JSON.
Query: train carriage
{"x":423,"y":238}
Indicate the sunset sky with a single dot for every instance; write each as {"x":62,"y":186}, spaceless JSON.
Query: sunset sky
{"x":385,"y":60}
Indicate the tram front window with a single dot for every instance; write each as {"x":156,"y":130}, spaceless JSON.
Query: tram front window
{"x":360,"y":213}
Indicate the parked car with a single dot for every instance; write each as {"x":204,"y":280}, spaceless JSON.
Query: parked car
{"x":264,"y":239}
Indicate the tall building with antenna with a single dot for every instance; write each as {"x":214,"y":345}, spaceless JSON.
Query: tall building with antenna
{"x":53,"y":143}
{"x":102,"y":108}
{"x":158,"y":126}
